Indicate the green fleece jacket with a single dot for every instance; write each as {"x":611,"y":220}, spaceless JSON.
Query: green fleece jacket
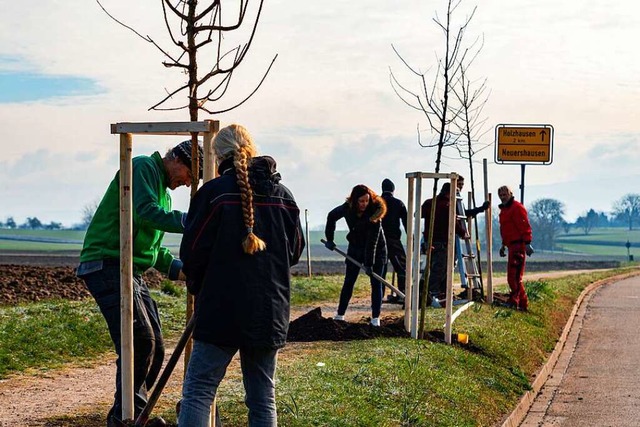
{"x":152,"y":217}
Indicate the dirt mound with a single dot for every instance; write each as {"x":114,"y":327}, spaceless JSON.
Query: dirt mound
{"x":26,"y":283}
{"x":313,"y":327}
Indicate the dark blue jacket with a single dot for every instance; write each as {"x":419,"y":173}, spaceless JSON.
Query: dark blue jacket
{"x":242,"y":300}
{"x":366,"y":237}
{"x":396,"y":214}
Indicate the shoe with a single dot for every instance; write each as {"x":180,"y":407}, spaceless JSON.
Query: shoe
{"x":375,"y":321}
{"x":435,"y":302}
{"x":391,"y":299}
{"x":156,"y":422}
{"x":339,"y":317}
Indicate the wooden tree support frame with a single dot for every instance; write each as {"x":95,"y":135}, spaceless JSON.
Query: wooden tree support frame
{"x":208,"y":129}
{"x":412,"y":283}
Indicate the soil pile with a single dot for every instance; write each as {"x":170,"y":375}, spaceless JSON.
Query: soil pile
{"x":26,"y":283}
{"x":313,"y":327}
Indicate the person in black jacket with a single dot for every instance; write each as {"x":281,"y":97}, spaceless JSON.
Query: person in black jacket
{"x":363,"y":212}
{"x":396,"y":214}
{"x":242,"y":235}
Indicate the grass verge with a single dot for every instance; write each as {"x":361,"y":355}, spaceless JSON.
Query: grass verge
{"x":382,"y":382}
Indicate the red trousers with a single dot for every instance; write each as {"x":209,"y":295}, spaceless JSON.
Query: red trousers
{"x":515,"y":271}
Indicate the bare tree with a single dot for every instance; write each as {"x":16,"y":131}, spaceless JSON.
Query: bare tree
{"x":433,"y":99}
{"x":202,"y":31}
{"x":588,"y":221}
{"x":627,"y":209}
{"x":546,"y":217}
{"x":472,"y":97}
{"x":88,"y":211}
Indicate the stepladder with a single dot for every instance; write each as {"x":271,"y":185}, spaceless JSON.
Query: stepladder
{"x":467,"y":257}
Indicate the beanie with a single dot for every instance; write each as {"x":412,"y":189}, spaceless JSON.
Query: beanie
{"x":388,"y":185}
{"x":183,"y":152}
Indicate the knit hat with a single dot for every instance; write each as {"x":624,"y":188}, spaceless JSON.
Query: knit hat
{"x":388,"y":185}
{"x":183,"y":152}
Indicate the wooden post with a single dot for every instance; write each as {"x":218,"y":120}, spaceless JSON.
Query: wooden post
{"x":488,"y":220}
{"x":126,"y":277}
{"x":209,"y":172}
{"x":408,"y":279}
{"x":209,"y":167}
{"x":489,"y":224}
{"x":306,"y":224}
{"x":450,"y":254}
{"x":415,"y":294}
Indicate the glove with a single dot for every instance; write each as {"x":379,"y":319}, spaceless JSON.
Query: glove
{"x":528,"y":249}
{"x":329,"y":245}
{"x":503,"y":251}
{"x":368,"y":270}
{"x":485,"y":206}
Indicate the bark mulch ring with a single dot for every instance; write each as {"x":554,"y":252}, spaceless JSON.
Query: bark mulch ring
{"x":313,"y":327}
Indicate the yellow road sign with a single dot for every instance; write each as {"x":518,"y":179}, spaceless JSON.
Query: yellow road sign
{"x":524,"y":143}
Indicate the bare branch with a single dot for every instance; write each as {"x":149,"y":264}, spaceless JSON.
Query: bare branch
{"x":175,"y":10}
{"x":194,"y":32}
{"x":145,"y":38}
{"x":249,"y":96}
{"x":170,"y":95}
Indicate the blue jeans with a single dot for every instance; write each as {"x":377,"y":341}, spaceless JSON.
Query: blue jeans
{"x":208,"y":365}
{"x":148,"y":344}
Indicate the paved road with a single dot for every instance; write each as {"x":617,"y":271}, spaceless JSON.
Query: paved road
{"x":596,"y":381}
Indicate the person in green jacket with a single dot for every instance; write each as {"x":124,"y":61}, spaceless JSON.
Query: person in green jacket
{"x":100,"y":264}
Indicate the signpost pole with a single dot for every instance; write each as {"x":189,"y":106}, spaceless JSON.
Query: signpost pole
{"x":522,"y":183}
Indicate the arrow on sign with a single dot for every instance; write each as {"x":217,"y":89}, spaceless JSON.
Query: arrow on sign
{"x":542,"y":134}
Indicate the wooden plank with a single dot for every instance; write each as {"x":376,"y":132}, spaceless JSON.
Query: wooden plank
{"x":415,"y":292}
{"x":162,"y":128}
{"x":408,"y":287}
{"x":429,"y":175}
{"x":126,"y":277}
{"x":450,"y":254}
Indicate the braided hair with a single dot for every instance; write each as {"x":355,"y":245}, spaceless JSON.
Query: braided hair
{"x":235,"y":141}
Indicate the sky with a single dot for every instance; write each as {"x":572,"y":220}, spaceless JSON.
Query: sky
{"x":327,"y":111}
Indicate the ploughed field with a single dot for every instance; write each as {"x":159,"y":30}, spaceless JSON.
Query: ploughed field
{"x":37,"y":276}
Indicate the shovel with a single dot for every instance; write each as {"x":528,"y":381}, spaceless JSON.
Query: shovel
{"x":374,"y":275}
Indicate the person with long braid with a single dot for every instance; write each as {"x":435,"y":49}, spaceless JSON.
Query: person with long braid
{"x":242,"y":235}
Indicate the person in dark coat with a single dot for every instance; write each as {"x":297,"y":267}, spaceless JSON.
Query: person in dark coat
{"x":363,"y":212}
{"x":396,"y":214}
{"x":439,"y":252}
{"x":242,"y":235}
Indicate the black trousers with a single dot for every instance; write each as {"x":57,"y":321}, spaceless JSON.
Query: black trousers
{"x":398,"y":258}
{"x":148,"y":344}
{"x":351,"y":275}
